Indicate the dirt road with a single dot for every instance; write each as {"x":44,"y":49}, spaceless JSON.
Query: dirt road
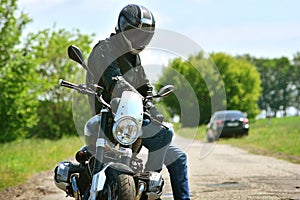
{"x":215,"y":172}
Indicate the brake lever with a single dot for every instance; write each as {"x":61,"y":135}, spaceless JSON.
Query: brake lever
{"x":84,"y":89}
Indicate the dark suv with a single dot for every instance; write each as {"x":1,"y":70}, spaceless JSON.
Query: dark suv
{"x":227,"y":123}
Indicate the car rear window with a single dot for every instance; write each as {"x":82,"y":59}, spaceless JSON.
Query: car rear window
{"x":229,"y":115}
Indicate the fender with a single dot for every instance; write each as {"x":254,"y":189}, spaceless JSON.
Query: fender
{"x":100,"y":178}
{"x":121,"y":168}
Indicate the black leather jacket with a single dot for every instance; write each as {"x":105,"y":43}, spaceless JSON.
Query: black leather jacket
{"x":112,"y":58}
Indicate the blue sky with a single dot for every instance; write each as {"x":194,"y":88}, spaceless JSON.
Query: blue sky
{"x":262,"y":28}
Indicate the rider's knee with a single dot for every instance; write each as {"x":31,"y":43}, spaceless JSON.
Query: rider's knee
{"x":169,"y":134}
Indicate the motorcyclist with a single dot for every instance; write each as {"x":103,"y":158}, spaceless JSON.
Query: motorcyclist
{"x":115,"y":64}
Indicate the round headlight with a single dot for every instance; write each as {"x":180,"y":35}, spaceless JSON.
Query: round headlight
{"x":126,"y":130}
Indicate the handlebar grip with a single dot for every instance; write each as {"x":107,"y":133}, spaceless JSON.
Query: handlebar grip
{"x":67,"y":84}
{"x":79,"y":88}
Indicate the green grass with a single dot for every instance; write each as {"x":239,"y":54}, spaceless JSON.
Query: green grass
{"x":279,"y":137}
{"x":20,"y":159}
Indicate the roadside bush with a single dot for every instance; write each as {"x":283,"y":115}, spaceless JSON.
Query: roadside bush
{"x":55,"y":120}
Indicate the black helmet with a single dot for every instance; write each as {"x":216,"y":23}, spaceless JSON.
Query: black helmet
{"x":138,"y":25}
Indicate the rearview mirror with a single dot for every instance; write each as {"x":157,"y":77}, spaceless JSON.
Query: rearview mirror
{"x":165,"y":91}
{"x":75,"y":54}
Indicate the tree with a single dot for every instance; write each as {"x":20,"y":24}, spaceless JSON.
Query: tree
{"x":216,"y":83}
{"x":199,"y":90}
{"x":277,"y":83}
{"x":295,"y":69}
{"x":184,"y":101}
{"x":49,"y":48}
{"x":17,"y":106}
{"x":30,"y":102}
{"x":11,"y":28}
{"x":242,"y":83}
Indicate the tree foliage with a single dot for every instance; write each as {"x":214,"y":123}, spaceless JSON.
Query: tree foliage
{"x":31,"y":104}
{"x":16,"y":76}
{"x":55,"y":104}
{"x":242,"y":83}
{"x":216,"y":83}
{"x":296,"y":81}
{"x":279,"y":82}
{"x":11,"y":26}
{"x":199,"y":90}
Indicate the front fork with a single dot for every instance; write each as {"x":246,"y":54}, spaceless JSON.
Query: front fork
{"x":99,"y":177}
{"x":100,"y":144}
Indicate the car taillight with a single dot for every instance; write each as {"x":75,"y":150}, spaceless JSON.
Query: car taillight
{"x":219,"y":122}
{"x":245,"y":121}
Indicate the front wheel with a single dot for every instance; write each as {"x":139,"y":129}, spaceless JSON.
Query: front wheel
{"x":118,"y":186}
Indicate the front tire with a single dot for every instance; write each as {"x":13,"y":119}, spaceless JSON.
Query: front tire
{"x":118,"y":186}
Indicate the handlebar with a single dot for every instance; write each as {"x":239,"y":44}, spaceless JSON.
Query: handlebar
{"x":84,"y":89}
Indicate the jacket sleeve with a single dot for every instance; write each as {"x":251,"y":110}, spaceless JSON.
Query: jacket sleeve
{"x":103,"y":67}
{"x":108,"y":79}
{"x":145,"y":89}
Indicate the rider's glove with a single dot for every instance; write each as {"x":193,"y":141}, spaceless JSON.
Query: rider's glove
{"x":156,"y":114}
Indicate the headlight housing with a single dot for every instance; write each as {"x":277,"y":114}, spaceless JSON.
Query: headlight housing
{"x":126,"y":130}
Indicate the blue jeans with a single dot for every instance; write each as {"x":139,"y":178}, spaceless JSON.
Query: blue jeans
{"x":176,"y":162}
{"x":157,"y":140}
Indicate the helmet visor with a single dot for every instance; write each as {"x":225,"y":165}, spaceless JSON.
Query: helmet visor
{"x":139,"y":37}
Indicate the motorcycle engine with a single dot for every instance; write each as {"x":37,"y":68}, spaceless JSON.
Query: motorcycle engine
{"x":66,"y":178}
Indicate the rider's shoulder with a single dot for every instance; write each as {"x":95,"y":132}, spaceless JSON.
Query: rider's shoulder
{"x":103,"y":45}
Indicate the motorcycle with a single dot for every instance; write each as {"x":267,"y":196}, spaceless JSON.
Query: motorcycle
{"x":108,"y":166}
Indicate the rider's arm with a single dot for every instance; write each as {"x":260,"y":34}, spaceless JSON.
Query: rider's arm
{"x":146,"y":89}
